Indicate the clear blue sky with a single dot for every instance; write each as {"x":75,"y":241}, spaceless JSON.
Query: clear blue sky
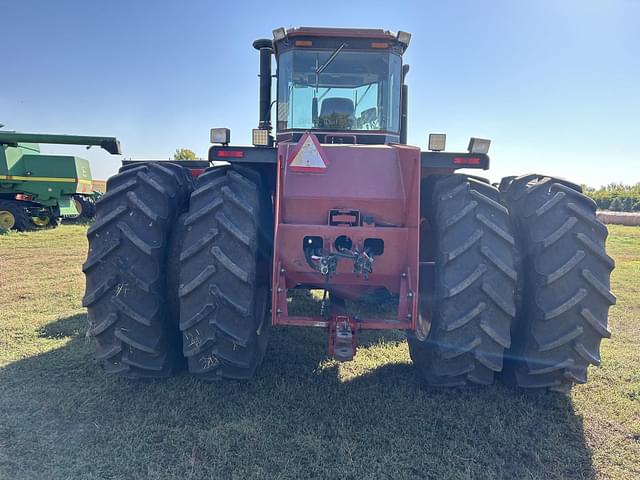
{"x":555,"y":84}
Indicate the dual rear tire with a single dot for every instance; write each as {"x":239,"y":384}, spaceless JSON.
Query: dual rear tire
{"x":520,"y":285}
{"x":176,"y":273}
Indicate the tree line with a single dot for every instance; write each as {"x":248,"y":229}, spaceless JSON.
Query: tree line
{"x":616,"y":197}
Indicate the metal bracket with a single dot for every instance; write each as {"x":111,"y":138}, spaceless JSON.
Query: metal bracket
{"x":342,"y":337}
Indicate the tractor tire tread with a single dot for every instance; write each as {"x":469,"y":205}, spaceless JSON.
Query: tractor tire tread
{"x":126,"y":267}
{"x":475,"y":282}
{"x":22,"y":221}
{"x":565,"y":290}
{"x":219,"y":278}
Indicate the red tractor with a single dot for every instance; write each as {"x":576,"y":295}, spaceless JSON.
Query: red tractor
{"x":199,"y":259}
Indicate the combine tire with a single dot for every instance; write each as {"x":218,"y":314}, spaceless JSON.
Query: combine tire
{"x":13,"y":216}
{"x":566,"y":289}
{"x":224,"y":287}
{"x":472,"y":288}
{"x":45,"y":221}
{"x":86,"y":208}
{"x":125,"y":269}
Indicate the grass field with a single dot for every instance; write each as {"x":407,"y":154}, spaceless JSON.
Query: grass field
{"x":304,"y":416}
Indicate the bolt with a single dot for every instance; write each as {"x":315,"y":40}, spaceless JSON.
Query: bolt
{"x":279,"y":290}
{"x":410,"y":294}
{"x":403,"y":274}
{"x":408,"y":315}
{"x":278,"y":311}
{"x":282,"y":270}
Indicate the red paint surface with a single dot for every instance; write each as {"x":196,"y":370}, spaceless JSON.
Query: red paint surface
{"x":379,"y":181}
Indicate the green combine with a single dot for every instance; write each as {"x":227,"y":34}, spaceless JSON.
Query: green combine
{"x":38,"y":190}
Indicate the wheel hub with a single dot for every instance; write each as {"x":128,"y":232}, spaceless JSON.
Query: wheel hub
{"x":41,"y":221}
{"x":7,"y":220}
{"x":423,"y":326}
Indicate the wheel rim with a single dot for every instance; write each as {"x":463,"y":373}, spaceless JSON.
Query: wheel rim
{"x":41,"y":221}
{"x":78,"y":204}
{"x":262,"y":299}
{"x":262,"y":312}
{"x":7,"y":220}
{"x":423,"y":327}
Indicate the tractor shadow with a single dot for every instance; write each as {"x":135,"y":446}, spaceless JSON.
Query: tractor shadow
{"x":303,"y":416}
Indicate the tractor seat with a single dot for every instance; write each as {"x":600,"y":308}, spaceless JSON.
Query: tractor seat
{"x":336,"y":112}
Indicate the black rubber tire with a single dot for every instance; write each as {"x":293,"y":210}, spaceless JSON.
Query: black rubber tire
{"x":88,"y":211}
{"x":566,"y":293}
{"x":176,"y":239}
{"x":474,"y":282}
{"x":22,"y":220}
{"x":53,"y":217}
{"x":505,"y":182}
{"x":54,"y":222}
{"x":126,"y":266}
{"x":224,"y":275}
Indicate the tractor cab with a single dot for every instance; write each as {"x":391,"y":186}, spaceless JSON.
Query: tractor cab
{"x":344,"y":85}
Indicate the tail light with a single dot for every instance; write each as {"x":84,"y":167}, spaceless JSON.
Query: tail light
{"x":230,"y":154}
{"x":466,"y":160}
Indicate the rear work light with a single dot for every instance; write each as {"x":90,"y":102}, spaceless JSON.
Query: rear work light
{"x":437,"y":142}
{"x":220,"y":135}
{"x":260,"y":137}
{"x":479,"y":145}
{"x":404,"y":38}
{"x":279,"y":34}
{"x":229,"y":153}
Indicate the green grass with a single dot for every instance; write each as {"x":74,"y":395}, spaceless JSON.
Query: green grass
{"x":304,"y":416}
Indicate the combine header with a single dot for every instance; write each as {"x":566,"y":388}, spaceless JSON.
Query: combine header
{"x":510,"y":281}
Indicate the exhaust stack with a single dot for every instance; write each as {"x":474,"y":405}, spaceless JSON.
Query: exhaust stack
{"x":265,"y":47}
